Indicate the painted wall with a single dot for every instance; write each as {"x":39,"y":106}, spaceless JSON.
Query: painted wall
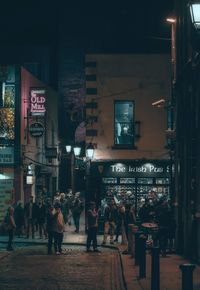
{"x":138,"y":77}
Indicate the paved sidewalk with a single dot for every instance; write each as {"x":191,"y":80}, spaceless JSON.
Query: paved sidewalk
{"x":170,"y":274}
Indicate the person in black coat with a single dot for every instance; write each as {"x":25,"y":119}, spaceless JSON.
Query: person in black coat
{"x":92,"y":225}
{"x":30,"y":213}
{"x":19,"y":218}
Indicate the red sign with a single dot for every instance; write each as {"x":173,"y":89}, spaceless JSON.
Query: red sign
{"x":38,"y":99}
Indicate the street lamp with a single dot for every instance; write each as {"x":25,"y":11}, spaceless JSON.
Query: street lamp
{"x":90,"y":151}
{"x":195,"y":14}
{"x":75,"y":154}
{"x":76,"y":150}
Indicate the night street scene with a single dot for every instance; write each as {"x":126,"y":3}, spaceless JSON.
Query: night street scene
{"x":100,"y":145}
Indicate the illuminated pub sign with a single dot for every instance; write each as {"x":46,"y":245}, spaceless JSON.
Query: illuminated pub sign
{"x":134,"y":169}
{"x":37,"y":101}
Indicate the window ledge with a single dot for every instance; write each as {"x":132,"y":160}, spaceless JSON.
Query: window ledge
{"x":124,"y":147}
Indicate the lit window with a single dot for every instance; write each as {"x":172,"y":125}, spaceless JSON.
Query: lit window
{"x":124,"y":124}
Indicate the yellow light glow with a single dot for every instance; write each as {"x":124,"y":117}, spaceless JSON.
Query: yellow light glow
{"x":171,"y":20}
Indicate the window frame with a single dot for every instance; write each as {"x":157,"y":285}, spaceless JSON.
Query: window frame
{"x":124,"y":145}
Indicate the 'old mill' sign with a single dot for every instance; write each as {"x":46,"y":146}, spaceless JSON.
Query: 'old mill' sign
{"x":38,"y":99}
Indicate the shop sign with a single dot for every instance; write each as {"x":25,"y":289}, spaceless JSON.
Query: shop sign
{"x":38,"y":99}
{"x":145,"y":168}
{"x":7,"y":155}
{"x":135,"y":169}
{"x":51,"y":152}
{"x":36,"y":129}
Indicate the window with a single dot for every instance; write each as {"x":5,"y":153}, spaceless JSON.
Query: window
{"x":124,"y":124}
{"x":7,"y":103}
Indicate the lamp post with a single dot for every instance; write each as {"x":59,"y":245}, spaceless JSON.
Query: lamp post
{"x":75,"y":153}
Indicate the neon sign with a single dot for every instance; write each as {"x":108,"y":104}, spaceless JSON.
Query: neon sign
{"x":38,"y":100}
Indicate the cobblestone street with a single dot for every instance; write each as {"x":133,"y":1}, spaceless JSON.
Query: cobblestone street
{"x":31,"y":269}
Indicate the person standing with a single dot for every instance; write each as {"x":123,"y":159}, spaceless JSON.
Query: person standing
{"x":58,"y":229}
{"x":77,"y":209}
{"x":19,"y":218}
{"x":41,"y":218}
{"x":49,"y":227}
{"x":110,"y":219}
{"x":120,"y":221}
{"x":30,"y":212}
{"x":11,"y":226}
{"x":92,"y":226}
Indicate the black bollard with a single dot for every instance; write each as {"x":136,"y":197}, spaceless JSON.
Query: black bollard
{"x":142,"y":256}
{"x":187,"y":276}
{"x":137,"y":254}
{"x":155,"y":268}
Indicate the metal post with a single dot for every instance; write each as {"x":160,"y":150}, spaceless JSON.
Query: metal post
{"x":187,"y":276}
{"x":137,"y":254}
{"x":72,"y":171}
{"x":155,"y":268}
{"x":142,"y":257}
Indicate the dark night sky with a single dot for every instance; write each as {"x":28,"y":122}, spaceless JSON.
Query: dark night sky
{"x":124,"y":24}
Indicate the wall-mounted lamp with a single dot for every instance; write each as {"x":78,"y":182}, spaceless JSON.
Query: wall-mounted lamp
{"x":90,"y":151}
{"x":159,"y":103}
{"x":194,"y":7}
{"x":76,"y":150}
{"x":171,"y":19}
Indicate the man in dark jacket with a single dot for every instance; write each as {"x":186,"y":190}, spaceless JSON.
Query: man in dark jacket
{"x":110,"y":219}
{"x":92,"y":225}
{"x":30,"y":212}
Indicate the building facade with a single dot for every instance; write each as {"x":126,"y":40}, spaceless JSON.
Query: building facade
{"x":28,"y":137}
{"x":129,"y":133}
{"x":187,"y":123}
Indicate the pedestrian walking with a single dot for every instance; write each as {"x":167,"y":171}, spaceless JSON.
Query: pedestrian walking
{"x":92,"y":226}
{"x":10,"y":225}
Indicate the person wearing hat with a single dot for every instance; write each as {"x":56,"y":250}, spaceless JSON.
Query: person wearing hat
{"x":92,"y":225}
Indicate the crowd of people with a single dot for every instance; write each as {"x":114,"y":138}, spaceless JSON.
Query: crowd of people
{"x":44,"y":218}
{"x":48,"y":220}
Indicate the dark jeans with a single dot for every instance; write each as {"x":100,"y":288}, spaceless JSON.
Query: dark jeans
{"x":118,"y":230}
{"x":77,"y":221}
{"x":10,"y":239}
{"x":50,"y":241}
{"x":163,"y":239}
{"x":58,"y":238}
{"x":92,"y":237}
{"x":42,"y":229}
{"x":30,"y":226}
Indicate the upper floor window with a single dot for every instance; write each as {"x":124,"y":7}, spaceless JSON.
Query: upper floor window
{"x":124,"y":124}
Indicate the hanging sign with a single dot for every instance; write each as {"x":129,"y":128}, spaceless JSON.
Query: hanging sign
{"x":36,"y":129}
{"x":37,"y":102}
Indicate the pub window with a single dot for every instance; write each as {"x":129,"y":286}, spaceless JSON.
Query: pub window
{"x":124,"y":124}
{"x":7,"y":102}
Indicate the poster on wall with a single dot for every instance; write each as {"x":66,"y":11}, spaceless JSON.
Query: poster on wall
{"x":6,"y":196}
